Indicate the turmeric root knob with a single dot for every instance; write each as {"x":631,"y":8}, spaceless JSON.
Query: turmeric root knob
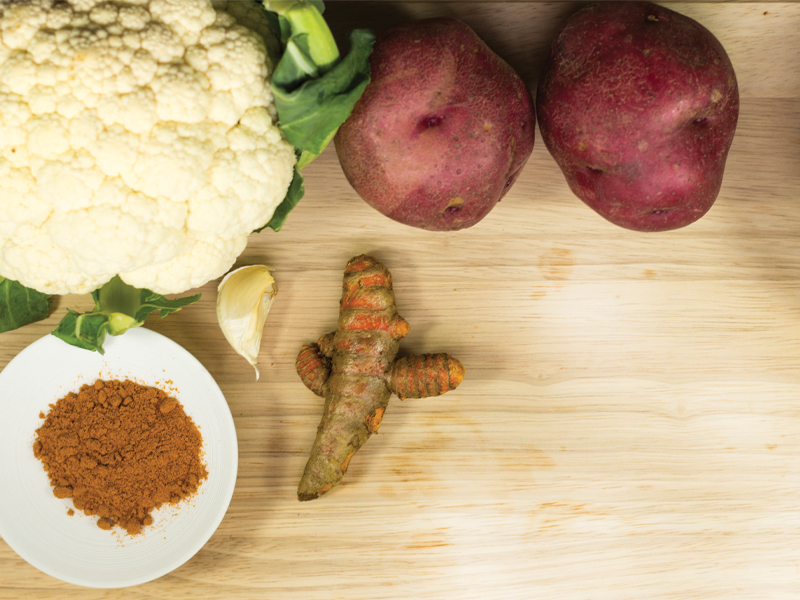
{"x":424,"y":375}
{"x":313,"y":369}
{"x":355,"y":370}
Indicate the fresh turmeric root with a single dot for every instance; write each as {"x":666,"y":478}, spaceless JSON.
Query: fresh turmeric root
{"x":355,"y":370}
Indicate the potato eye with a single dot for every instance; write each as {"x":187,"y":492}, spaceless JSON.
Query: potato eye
{"x":432,"y":120}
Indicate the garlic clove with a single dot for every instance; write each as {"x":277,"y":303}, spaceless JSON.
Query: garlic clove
{"x":244,"y":297}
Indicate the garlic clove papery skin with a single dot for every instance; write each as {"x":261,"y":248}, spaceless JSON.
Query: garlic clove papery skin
{"x":244,"y":297}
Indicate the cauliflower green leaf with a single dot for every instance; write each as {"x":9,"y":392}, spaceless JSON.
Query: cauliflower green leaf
{"x":314,"y":89}
{"x":310,"y":114}
{"x":293,"y":196}
{"x":117,"y":308}
{"x":20,"y":305}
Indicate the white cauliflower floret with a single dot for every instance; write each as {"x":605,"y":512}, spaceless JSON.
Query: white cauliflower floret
{"x":137,"y":137}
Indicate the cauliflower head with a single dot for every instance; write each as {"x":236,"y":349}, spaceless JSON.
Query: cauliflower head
{"x":138,"y":138}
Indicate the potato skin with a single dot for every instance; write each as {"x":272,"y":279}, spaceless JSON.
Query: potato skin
{"x":638,"y":105}
{"x":442,"y":130}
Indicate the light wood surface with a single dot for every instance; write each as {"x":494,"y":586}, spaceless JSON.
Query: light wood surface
{"x":629,"y":425}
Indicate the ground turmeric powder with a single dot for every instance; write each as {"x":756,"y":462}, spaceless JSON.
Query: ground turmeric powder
{"x":355,"y":370}
{"x":120,"y":449}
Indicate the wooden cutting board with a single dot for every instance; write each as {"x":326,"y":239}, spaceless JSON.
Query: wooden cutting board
{"x":629,"y":425}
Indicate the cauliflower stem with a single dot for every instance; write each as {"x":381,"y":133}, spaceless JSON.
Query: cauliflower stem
{"x":308,"y":41}
{"x":117,"y":308}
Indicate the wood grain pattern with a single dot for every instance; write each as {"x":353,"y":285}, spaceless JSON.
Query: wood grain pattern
{"x":629,"y":425}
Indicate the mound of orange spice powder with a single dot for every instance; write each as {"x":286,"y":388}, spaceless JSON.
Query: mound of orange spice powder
{"x":119,"y":450}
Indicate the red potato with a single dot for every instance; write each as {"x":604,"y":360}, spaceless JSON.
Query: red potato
{"x":442,"y":130}
{"x":638,"y":105}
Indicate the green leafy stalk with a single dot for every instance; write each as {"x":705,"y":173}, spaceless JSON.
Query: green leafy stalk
{"x":310,"y":114}
{"x":117,"y":308}
{"x":20,"y":305}
{"x":314,"y":89}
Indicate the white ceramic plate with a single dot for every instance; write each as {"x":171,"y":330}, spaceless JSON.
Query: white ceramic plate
{"x":35,"y":523}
